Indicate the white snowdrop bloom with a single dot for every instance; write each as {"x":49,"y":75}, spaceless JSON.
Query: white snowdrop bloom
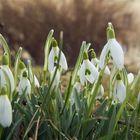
{"x":5,"y":111}
{"x":119,"y":91}
{"x":130,"y":77}
{"x":96,"y":63}
{"x":54,"y":56}
{"x":100,"y":93}
{"x":56,"y":80}
{"x":114,"y":48}
{"x":116,"y":52}
{"x":10,"y":76}
{"x":6,"y":76}
{"x":88,"y":72}
{"x":36,"y":82}
{"x":24,"y":85}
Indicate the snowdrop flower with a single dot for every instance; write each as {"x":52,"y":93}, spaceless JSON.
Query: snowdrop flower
{"x":54,"y":56}
{"x":119,"y":94}
{"x":9,"y":75}
{"x":6,"y":75}
{"x":115,"y":50}
{"x":36,"y":82}
{"x":24,"y":85}
{"x":100,"y":93}
{"x":5,"y":110}
{"x":130,"y":77}
{"x":56,"y":81}
{"x":87,"y":72}
{"x":96,"y":63}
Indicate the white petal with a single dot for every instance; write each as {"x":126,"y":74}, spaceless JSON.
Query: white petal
{"x":130,"y":77}
{"x":24,"y":86}
{"x":121,"y":91}
{"x":103,"y":55}
{"x":82,"y":74}
{"x":2,"y":79}
{"x":51,"y":60}
{"x":95,"y":61}
{"x":5,"y":111}
{"x":90,"y":78}
{"x":10,"y":76}
{"x":63,"y":61}
{"x":117,"y":53}
{"x":36,"y":82}
{"x":93,"y":69}
{"x":107,"y":70}
{"x":56,"y":51}
{"x":56,"y":79}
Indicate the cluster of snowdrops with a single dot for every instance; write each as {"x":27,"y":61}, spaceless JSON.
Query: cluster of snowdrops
{"x":88,"y":73}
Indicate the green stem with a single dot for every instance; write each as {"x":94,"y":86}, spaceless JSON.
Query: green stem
{"x":84,"y":48}
{"x":30,"y":74}
{"x":89,"y":111}
{"x":46,"y":51}
{"x":6,"y":48}
{"x":16,"y":65}
{"x":95,"y":89}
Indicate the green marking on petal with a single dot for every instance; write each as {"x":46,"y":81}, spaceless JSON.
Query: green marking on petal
{"x":55,"y":59}
{"x":87,"y":72}
{"x":118,"y":77}
{"x":24,"y":74}
{"x":3,"y":91}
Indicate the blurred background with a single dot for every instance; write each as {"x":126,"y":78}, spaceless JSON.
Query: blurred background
{"x":26,"y":23}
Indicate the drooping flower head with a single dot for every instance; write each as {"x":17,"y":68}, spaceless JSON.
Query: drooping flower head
{"x":114,"y":48}
{"x":24,"y":86}
{"x":119,"y":94}
{"x":88,"y":72}
{"x":54,"y":57}
{"x":6,"y":76}
{"x":5,"y":109}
